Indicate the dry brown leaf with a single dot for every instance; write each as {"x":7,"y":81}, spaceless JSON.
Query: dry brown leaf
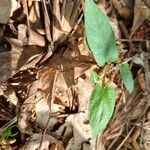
{"x":7,"y":7}
{"x":85,"y":88}
{"x":26,"y":116}
{"x":43,"y":111}
{"x":34,"y":141}
{"x":60,"y":90}
{"x":7,"y":106}
{"x":147,"y":70}
{"x":141,"y":13}
{"x":11,"y":61}
{"x":124,"y":8}
{"x":52,"y":96}
{"x":69,"y":14}
{"x":141,"y":80}
{"x":81,"y":132}
{"x":7,"y":144}
{"x":44,"y":98}
{"x":34,"y":15}
{"x":34,"y":37}
{"x":147,"y":3}
{"x":146,"y":133}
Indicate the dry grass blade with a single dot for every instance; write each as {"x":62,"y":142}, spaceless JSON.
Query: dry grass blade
{"x":11,"y":122}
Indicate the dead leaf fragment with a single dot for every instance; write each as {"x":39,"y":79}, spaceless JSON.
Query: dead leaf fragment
{"x":85,"y":89}
{"x":7,"y":7}
{"x":141,"y":13}
{"x":34,"y":37}
{"x":124,"y":8}
{"x":34,"y":142}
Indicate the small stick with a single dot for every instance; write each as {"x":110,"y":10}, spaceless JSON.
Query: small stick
{"x":118,"y":148}
{"x":46,"y":126}
{"x":28,"y":23}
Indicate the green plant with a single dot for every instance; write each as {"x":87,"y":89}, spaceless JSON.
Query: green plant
{"x":101,"y":41}
{"x":7,"y":133}
{"x":127,"y":76}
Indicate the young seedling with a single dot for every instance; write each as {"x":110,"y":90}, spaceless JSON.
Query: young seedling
{"x":101,"y":41}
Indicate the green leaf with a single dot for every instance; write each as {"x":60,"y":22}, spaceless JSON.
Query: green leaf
{"x":127,"y":77}
{"x":85,"y":43}
{"x":7,"y":133}
{"x":101,"y":107}
{"x":99,"y":34}
{"x":95,"y":78}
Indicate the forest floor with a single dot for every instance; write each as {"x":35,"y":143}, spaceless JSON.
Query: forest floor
{"x":45,"y":70}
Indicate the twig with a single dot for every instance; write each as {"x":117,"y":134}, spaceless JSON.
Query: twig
{"x":133,"y":40}
{"x":11,"y":122}
{"x":124,"y":29}
{"x":142,"y":130}
{"x":118,"y":148}
{"x":46,"y":126}
{"x":28,"y":23}
{"x":113,"y":142}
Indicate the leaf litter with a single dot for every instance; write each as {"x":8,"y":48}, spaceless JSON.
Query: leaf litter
{"x":45,"y":76}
